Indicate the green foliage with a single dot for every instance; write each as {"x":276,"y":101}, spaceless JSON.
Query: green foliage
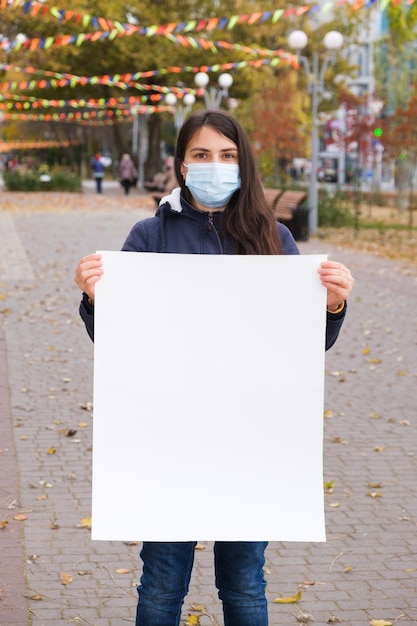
{"x":32,"y":181}
{"x":394,"y":56}
{"x":334,"y":209}
{"x":266,"y":166}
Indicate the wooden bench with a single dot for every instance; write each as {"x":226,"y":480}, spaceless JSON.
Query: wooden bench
{"x":287,"y":203}
{"x":287,"y":207}
{"x":272,"y":196}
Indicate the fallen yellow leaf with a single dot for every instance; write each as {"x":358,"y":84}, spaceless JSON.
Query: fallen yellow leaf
{"x":20,"y":517}
{"x":65,"y":579}
{"x":52,"y":450}
{"x":328,"y":413}
{"x":366,"y":350}
{"x":122,"y":570}
{"x":375,"y":416}
{"x":380,"y":622}
{"x":192,"y":620}
{"x":289,"y":600}
{"x":339,"y":440}
{"x":85,"y":522}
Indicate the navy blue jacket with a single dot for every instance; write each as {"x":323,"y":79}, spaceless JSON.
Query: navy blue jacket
{"x":178,"y":228}
{"x":97,"y":166}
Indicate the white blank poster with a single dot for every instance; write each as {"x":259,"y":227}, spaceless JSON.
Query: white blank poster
{"x":208,"y":398}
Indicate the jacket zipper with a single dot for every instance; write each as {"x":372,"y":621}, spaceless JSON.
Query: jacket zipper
{"x":210,"y":227}
{"x":210,"y":223}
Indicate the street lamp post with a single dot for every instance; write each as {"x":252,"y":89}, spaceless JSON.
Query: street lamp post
{"x":214,"y":95}
{"x":140,"y":120}
{"x":180,"y":110}
{"x":297,"y":40}
{"x":135,"y":138}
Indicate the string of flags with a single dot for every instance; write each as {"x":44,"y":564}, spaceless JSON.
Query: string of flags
{"x":26,"y":144}
{"x":107,"y":117}
{"x":123,"y":81}
{"x":106,"y":29}
{"x":36,"y":8}
{"x":185,"y":41}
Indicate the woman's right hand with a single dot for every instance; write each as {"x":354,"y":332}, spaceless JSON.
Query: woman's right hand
{"x":88,"y":271}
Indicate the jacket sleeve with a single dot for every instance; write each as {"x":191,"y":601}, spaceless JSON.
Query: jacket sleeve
{"x":87,"y":315}
{"x":333,"y":325}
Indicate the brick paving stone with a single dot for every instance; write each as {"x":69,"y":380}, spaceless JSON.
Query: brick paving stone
{"x":13,"y":609}
{"x":366,"y":570}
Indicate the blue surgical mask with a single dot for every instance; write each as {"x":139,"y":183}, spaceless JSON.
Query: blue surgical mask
{"x":212,"y":184}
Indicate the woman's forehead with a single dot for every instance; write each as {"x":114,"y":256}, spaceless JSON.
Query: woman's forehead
{"x":208,"y":137}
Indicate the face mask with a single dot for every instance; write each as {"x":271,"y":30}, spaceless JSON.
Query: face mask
{"x":212,"y":184}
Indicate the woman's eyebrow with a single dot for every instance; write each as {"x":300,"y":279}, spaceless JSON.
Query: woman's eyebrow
{"x":196,"y":148}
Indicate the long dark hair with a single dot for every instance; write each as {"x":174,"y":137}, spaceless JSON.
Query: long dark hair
{"x":247,"y":217}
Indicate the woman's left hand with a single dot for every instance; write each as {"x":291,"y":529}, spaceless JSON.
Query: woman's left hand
{"x":338,"y":280}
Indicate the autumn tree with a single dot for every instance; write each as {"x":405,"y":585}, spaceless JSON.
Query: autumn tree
{"x":399,"y":137}
{"x":278,"y":127}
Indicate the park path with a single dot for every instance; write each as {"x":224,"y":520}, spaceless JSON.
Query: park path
{"x":52,"y":573}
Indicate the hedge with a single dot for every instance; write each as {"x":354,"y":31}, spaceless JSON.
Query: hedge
{"x":32,"y":181}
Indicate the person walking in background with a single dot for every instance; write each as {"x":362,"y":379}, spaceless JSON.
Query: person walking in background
{"x":127,"y":173}
{"x":218,"y":208}
{"x":170,"y":179}
{"x":98,"y":170}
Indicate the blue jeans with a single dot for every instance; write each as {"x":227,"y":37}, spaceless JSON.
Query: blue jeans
{"x":239,"y":579}
{"x":99,"y":180}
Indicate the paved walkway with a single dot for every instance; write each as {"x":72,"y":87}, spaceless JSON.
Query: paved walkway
{"x":52,"y":573}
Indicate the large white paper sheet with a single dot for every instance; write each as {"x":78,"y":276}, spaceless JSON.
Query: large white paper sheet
{"x":208,"y":398}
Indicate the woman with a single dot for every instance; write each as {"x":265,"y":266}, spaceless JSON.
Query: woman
{"x":219,"y":208}
{"x":127,"y":173}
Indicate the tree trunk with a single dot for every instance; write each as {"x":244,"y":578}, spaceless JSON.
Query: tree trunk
{"x":119,"y":142}
{"x":153,"y":163}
